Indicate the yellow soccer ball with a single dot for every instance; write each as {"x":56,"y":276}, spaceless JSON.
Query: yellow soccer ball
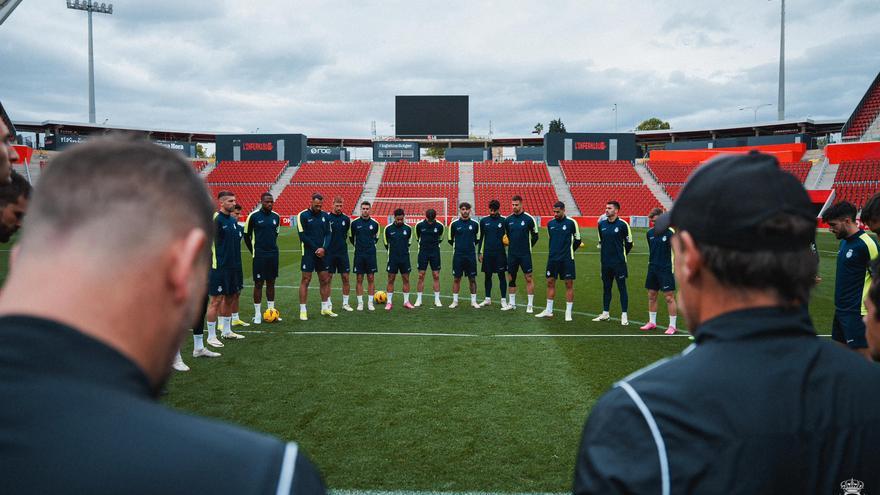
{"x":380,"y":297}
{"x":271,"y":315}
{"x":505,"y":240}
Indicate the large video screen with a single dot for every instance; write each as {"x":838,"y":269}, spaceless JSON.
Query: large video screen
{"x":438,"y":116}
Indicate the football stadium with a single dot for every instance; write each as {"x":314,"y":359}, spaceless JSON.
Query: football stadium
{"x":425,"y":354}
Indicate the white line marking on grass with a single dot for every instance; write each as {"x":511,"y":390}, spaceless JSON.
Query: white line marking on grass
{"x":555,"y":310}
{"x":527,"y":335}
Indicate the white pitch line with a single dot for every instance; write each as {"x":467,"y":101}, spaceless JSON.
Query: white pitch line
{"x":505,"y":335}
{"x":555,"y":310}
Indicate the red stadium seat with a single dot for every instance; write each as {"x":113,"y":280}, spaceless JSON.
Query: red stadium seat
{"x":297,"y":197}
{"x":538,"y":199}
{"x":420,"y":172}
{"x":246,"y":172}
{"x":511,"y":173}
{"x":635,"y":199}
{"x":857,"y":180}
{"x":332,"y":173}
{"x":599,"y":172}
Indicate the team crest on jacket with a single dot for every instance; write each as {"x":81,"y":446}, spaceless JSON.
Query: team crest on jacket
{"x":616,"y":229}
{"x":851,"y":487}
{"x":564,"y":226}
{"x":849,"y":253}
{"x":470,"y":227}
{"x":371,"y":227}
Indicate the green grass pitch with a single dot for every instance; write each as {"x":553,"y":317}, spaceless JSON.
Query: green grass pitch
{"x":467,"y":411}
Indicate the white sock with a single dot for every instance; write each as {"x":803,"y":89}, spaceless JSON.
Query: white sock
{"x":390,"y":296}
{"x":455,"y":298}
{"x":652,"y":317}
{"x":672,"y":320}
{"x":227,"y":324}
{"x":512,"y":299}
{"x":406,"y":298}
{"x":549,"y":305}
{"x":302,"y":307}
{"x":360,"y":300}
{"x":605,"y":313}
{"x":270,"y":304}
{"x":473,"y":298}
{"x":257,"y":310}
{"x":418,"y":298}
{"x":623,"y":316}
{"x":328,"y":303}
{"x":371,"y":299}
{"x":344,"y":300}
{"x":531,"y":300}
{"x":212,"y":329}
{"x":198,"y":342}
{"x":488,"y":299}
{"x":235,"y":316}
{"x":436,"y":296}
{"x":568,"y":306}
{"x":178,"y":357}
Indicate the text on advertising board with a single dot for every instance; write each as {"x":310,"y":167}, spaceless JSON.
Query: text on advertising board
{"x":587,"y":145}
{"x":257,"y":146}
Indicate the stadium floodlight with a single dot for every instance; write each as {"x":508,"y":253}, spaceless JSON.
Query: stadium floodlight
{"x":756,"y":107}
{"x":780,"y":106}
{"x":90,"y":6}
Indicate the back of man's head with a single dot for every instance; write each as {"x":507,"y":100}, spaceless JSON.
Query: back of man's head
{"x":750,"y":226}
{"x":17,"y":188}
{"x":104,"y":191}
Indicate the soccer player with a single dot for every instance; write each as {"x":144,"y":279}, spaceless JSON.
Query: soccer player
{"x":857,"y":250}
{"x":397,"y":238}
{"x":236,"y":320}
{"x":14,"y":199}
{"x":314,"y":231}
{"x":463,"y":236}
{"x":337,"y":252}
{"x":223,"y":282}
{"x":565,"y":238}
{"x":660,"y":273}
{"x":522,"y":234}
{"x":363,"y":234}
{"x":871,"y":213}
{"x":261,"y":239}
{"x":491,"y":253}
{"x":429,"y":233}
{"x":615,"y":242}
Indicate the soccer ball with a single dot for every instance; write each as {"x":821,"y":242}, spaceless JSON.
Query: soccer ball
{"x":271,"y":315}
{"x":505,"y":240}
{"x":380,"y":297}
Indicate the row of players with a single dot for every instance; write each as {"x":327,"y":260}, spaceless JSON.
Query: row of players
{"x":503,"y":246}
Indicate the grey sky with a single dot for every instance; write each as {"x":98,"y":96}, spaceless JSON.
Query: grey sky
{"x":330,"y":68}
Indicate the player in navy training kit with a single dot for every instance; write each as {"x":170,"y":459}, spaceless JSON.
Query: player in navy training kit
{"x":490,"y":249}
{"x":615,"y":242}
{"x":397,"y":238}
{"x":313,"y":226}
{"x":364,"y":234}
{"x":224,"y":282}
{"x":337,"y":253}
{"x":565,"y":238}
{"x":429,"y":233}
{"x":236,"y":319}
{"x":857,"y":250}
{"x":261,"y":238}
{"x":463,"y":236}
{"x":522,"y":235}
{"x":660,"y":276}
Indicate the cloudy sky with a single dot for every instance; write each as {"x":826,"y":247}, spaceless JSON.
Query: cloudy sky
{"x":330,"y":68}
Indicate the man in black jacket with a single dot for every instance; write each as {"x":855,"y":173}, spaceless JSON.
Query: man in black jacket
{"x":83,"y":353}
{"x":759,"y":403}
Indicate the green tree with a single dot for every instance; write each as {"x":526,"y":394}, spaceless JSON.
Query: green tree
{"x":556,"y":126}
{"x":436,"y":152}
{"x":539,"y":128}
{"x":653,"y":124}
{"x":200,"y":151}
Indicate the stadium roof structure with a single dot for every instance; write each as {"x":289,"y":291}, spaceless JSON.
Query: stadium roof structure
{"x":777,"y":127}
{"x":648,"y":138}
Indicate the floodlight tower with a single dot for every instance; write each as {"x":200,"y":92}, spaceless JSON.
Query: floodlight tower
{"x":90,"y":6}
{"x":780,"y":106}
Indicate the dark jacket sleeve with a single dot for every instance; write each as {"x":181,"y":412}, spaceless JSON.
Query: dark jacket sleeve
{"x":306,"y":480}
{"x":451,"y":235}
{"x":533,"y":232}
{"x":303,"y":235}
{"x":617,"y":453}
{"x":328,"y":233}
{"x":480,"y":236}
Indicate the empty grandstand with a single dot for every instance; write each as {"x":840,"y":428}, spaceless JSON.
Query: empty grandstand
{"x":247,"y":179}
{"x":330,"y":179}
{"x":857,"y":180}
{"x":419,"y":180}
{"x":594,"y":182}
{"x":865,"y":116}
{"x":503,"y":180}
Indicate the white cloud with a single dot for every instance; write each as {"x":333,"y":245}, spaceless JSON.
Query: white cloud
{"x":330,"y":68}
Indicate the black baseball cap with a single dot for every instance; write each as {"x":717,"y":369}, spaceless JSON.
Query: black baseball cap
{"x":724,"y":202}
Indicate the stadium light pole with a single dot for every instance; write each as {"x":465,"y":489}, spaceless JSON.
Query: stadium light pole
{"x":780,"y":106}
{"x":89,"y":6}
{"x":615,"y":117}
{"x":756,"y":107}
